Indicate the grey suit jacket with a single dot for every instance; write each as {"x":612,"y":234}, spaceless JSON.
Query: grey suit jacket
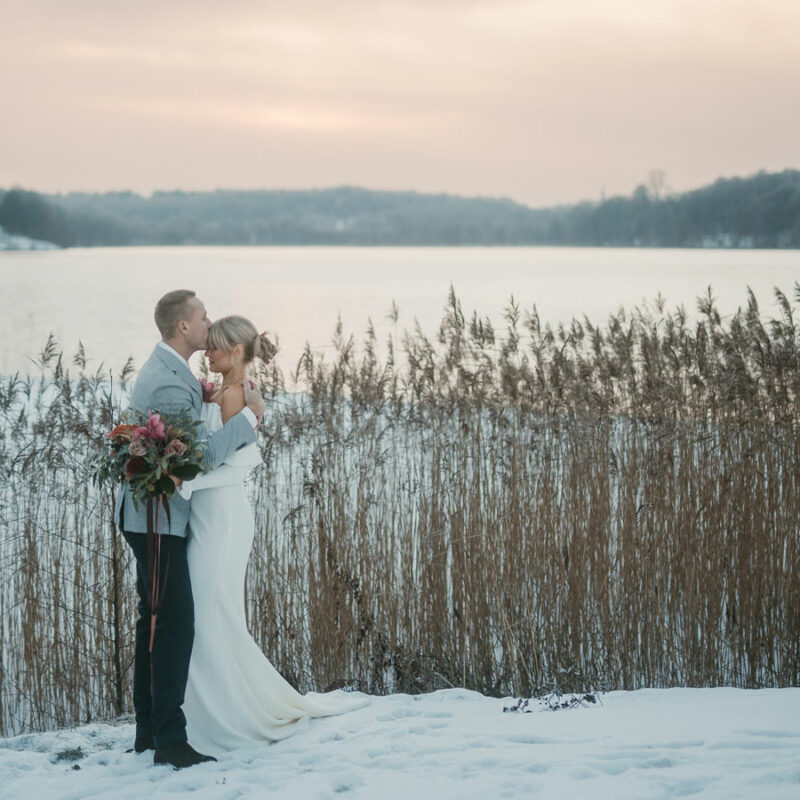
{"x":165,"y":384}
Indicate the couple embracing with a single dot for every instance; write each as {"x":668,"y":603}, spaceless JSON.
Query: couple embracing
{"x":205,"y":679}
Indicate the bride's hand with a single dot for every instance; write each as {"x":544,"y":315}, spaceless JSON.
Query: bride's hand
{"x":253,"y":400}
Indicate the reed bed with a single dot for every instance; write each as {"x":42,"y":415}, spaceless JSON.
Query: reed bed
{"x":588,"y":505}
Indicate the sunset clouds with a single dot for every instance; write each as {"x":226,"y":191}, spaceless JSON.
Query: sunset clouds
{"x":544,"y":101}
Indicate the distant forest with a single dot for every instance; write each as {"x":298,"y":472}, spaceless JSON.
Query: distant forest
{"x":759,"y":211}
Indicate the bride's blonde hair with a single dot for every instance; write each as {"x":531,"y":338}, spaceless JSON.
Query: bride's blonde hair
{"x":226,"y":333}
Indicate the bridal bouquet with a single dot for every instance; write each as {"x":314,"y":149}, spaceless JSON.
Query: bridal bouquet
{"x":147,"y":452}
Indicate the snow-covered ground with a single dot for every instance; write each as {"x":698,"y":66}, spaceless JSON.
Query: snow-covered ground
{"x":649,"y":744}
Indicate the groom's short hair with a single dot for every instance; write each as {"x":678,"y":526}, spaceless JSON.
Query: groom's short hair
{"x":171,"y":309}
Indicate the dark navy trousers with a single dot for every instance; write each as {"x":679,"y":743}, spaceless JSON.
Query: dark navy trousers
{"x":159,"y":682}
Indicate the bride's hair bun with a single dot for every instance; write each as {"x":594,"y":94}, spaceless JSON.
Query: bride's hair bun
{"x":263,"y":347}
{"x":227,"y":332}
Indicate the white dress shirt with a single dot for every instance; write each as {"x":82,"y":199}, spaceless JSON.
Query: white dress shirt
{"x":174,"y":352}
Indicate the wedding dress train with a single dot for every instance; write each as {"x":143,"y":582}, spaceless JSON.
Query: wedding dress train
{"x":234,"y":696}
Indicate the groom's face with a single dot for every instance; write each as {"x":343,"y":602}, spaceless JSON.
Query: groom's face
{"x":198,"y":325}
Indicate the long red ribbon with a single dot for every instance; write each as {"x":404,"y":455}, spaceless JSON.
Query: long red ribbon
{"x":157,"y":587}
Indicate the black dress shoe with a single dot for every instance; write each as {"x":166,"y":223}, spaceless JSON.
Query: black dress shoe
{"x":180,"y":755}
{"x":142,"y":743}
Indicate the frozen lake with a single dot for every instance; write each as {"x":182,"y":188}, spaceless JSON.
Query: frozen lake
{"x":105,"y":296}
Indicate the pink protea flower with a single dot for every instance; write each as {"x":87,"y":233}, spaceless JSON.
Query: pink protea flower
{"x":156,"y":426}
{"x":175,"y":448}
{"x":137,"y":448}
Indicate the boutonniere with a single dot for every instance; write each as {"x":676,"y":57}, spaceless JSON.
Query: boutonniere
{"x":208,"y":390}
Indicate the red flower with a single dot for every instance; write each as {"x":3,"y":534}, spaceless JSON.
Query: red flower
{"x":122,"y":432}
{"x":134,"y":466}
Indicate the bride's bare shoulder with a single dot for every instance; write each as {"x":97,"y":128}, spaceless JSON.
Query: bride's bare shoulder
{"x":232,"y":401}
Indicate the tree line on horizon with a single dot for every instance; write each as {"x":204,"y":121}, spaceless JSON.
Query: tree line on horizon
{"x":762,"y":210}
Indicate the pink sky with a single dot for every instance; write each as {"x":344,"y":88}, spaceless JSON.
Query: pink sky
{"x":544,"y":101}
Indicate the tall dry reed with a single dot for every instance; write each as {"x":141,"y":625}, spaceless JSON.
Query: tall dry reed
{"x":611,"y":504}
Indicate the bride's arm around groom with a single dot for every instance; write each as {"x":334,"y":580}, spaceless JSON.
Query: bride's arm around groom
{"x":231,"y":472}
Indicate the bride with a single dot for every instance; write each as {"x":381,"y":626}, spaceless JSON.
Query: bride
{"x":234,"y":696}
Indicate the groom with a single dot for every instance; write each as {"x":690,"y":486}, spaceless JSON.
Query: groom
{"x":165,"y":383}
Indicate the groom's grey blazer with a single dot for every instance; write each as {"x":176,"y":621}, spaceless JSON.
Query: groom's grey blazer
{"x":165,"y":384}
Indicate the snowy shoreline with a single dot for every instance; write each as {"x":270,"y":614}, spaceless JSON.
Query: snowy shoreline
{"x":651,"y":743}
{"x":11,"y":241}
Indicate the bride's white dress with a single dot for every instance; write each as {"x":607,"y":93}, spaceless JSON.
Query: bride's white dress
{"x":234,"y":696}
